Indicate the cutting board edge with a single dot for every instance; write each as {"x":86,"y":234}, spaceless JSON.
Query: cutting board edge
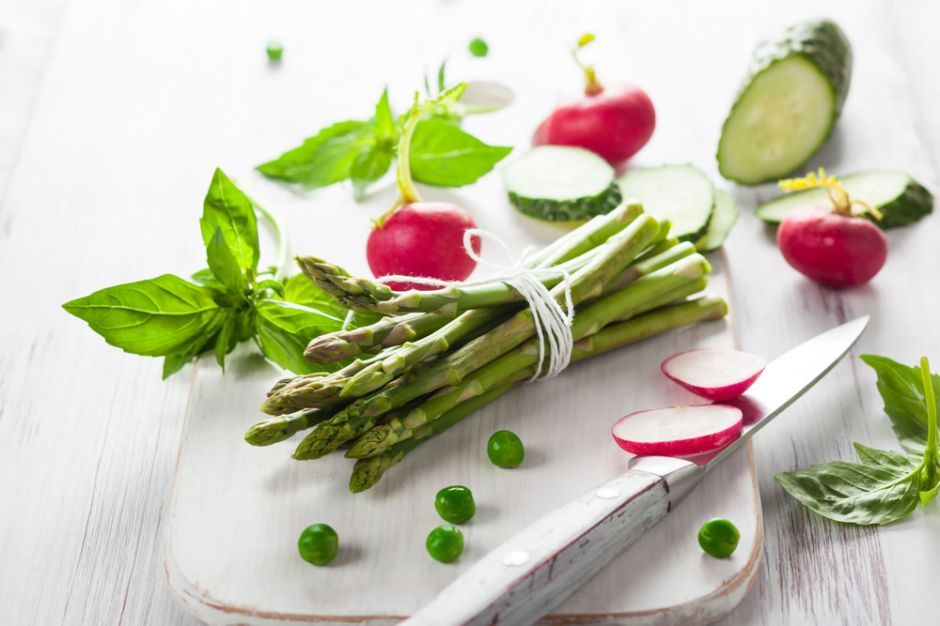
{"x":704,"y":610}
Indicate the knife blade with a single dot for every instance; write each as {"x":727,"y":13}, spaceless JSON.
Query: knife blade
{"x":537,"y":569}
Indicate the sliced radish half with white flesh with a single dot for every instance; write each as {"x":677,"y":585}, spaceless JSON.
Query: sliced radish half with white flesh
{"x":678,"y":430}
{"x":714,"y":373}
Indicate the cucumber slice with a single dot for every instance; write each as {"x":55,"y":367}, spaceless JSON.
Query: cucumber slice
{"x":901,"y":199}
{"x":680,"y":193}
{"x":560,"y":183}
{"x":719,"y":227}
{"x":788,"y":105}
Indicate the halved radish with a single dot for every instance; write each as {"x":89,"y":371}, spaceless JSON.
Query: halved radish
{"x":714,"y":373}
{"x":678,"y":430}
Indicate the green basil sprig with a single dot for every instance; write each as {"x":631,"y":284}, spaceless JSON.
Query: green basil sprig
{"x":886,"y":486}
{"x":228,"y":302}
{"x":362,"y":151}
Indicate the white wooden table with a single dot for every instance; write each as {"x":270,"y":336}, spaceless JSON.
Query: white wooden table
{"x":112,"y":116}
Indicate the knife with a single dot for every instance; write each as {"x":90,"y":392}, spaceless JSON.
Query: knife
{"x":536,"y":570}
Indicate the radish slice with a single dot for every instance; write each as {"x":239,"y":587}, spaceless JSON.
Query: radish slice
{"x":714,"y":373}
{"x":678,"y":430}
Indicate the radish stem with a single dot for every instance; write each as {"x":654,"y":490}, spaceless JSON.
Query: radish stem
{"x":592,"y":86}
{"x":403,"y":170}
{"x":930,"y":452}
{"x":408,"y":193}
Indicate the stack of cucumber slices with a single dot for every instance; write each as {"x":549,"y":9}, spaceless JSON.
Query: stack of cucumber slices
{"x":571,"y":184}
{"x":685,"y":196}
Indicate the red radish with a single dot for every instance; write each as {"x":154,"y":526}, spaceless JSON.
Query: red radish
{"x":832,"y":249}
{"x":832,"y":244}
{"x":613,"y":123}
{"x":714,"y":373}
{"x":416,"y":238}
{"x":422,"y":239}
{"x":678,"y":430}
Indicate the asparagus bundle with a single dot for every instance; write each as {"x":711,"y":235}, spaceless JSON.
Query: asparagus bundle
{"x":439,"y":355}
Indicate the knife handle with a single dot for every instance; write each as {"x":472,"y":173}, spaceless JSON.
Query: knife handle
{"x":534,"y":571}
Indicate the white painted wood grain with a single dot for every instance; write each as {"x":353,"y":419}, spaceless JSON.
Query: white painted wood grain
{"x":135,"y":103}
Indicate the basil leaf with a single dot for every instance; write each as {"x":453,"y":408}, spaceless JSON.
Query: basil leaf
{"x":385,"y":129}
{"x":877,"y":492}
{"x":245,"y":327}
{"x":224,"y":265}
{"x":270,"y":284}
{"x":155,"y":317}
{"x":369,"y":166}
{"x":173,"y":363}
{"x":206,"y":278}
{"x":443,"y":154}
{"x":325,"y":158}
{"x":228,"y":209}
{"x":284,"y":330}
{"x":300,"y":289}
{"x":225,"y":341}
{"x":902,"y":390}
{"x":886,"y":458}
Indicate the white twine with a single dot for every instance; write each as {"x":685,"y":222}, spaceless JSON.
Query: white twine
{"x":552,"y":322}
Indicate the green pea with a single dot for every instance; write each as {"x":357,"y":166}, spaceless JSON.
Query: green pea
{"x":275,"y":51}
{"x":445,"y":543}
{"x":478,"y":47}
{"x":505,"y":449}
{"x":318,"y":544}
{"x":718,"y":537}
{"x":455,"y":504}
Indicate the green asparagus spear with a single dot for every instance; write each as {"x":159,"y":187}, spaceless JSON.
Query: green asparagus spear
{"x":368,"y":471}
{"x":317,"y":390}
{"x":592,"y":234}
{"x":587,"y":282}
{"x":278,"y":428}
{"x":388,"y":331}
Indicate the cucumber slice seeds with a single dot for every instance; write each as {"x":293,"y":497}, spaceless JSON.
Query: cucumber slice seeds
{"x":560,"y":183}
{"x":683,"y":194}
{"x":900,"y":198}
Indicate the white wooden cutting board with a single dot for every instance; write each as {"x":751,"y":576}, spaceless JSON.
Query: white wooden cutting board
{"x":236,"y":511}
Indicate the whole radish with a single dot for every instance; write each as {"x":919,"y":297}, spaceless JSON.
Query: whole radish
{"x":832,"y":244}
{"x":422,"y":239}
{"x":416,"y":238}
{"x":611,"y":122}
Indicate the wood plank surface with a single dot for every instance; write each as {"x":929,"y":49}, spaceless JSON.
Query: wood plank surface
{"x":111,"y":128}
